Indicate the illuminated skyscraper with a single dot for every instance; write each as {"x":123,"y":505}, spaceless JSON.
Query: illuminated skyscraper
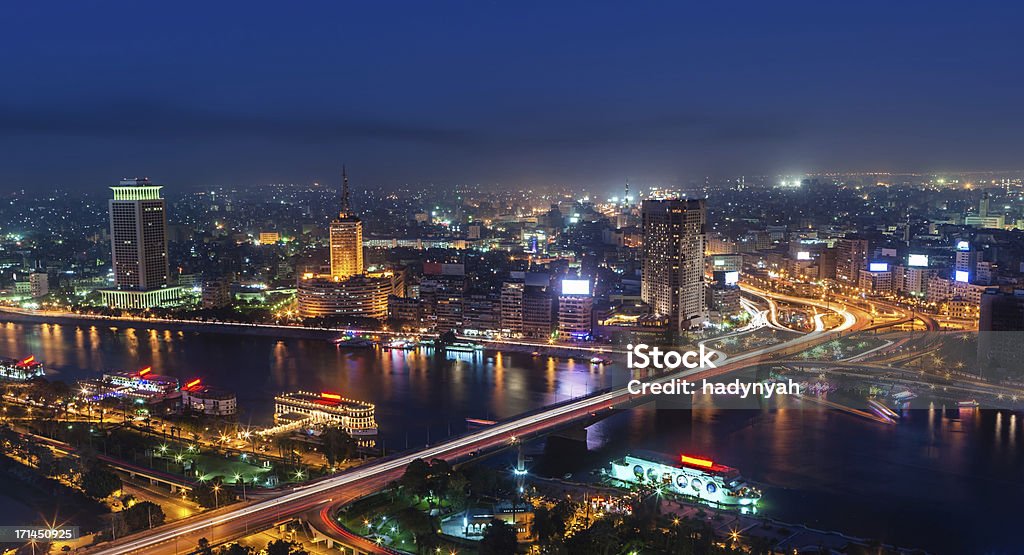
{"x":138,"y":238}
{"x":138,"y":235}
{"x":672,"y":276}
{"x":346,"y":238}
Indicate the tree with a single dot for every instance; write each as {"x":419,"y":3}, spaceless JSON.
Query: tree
{"x":499,"y":539}
{"x":546,"y":526}
{"x":457,"y":492}
{"x":416,"y":477}
{"x":440,"y":472}
{"x":99,"y":482}
{"x":286,"y":448}
{"x":209,"y":494}
{"x":285,"y":547}
{"x":237,"y":549}
{"x":45,"y":461}
{"x":338,"y":445}
{"x":422,"y":526}
{"x":203,"y":547}
{"x":143,"y":515}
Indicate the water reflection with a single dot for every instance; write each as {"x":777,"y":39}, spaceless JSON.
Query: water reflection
{"x":422,"y":388}
{"x":905,"y":483}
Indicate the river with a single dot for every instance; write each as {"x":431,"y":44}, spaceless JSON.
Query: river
{"x":943,"y":479}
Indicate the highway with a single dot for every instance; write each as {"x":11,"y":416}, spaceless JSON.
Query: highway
{"x":236,"y":521}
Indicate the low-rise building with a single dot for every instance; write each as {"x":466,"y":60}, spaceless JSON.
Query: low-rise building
{"x":203,"y":399}
{"x":359,"y":296}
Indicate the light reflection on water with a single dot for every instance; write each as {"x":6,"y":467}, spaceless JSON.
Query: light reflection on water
{"x":413,"y":390}
{"x":906,"y":483}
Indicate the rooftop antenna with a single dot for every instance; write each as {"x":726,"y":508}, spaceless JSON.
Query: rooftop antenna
{"x":344,"y":192}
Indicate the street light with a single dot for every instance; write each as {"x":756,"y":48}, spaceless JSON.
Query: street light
{"x":237,"y":478}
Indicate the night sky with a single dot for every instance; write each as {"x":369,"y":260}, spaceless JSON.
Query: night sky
{"x":503,"y":93}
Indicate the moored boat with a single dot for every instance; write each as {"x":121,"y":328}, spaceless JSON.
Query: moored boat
{"x":690,"y":476}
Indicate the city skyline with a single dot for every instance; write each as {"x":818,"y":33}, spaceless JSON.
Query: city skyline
{"x":484,"y":278}
{"x":506,"y":96}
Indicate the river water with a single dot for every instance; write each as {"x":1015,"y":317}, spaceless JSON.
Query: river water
{"x":943,"y":479}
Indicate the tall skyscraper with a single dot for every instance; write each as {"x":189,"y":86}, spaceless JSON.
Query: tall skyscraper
{"x":346,"y":238}
{"x":138,"y":238}
{"x":138,"y":235}
{"x":672,"y":275}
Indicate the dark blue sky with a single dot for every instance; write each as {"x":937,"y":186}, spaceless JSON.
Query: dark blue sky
{"x":503,"y":92}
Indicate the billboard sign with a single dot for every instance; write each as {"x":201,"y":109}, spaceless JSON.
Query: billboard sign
{"x":576,"y":287}
{"x":920,"y":260}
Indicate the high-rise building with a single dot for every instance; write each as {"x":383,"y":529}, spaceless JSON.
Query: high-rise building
{"x":538,"y":312}
{"x":443,"y":290}
{"x":346,"y":238}
{"x":1000,"y":325}
{"x":672,"y":274}
{"x":725,"y":294}
{"x":876,"y":281}
{"x":138,"y":238}
{"x":481,"y":314}
{"x":965,"y":263}
{"x":512,"y":309}
{"x":575,"y":311}
{"x":851,"y":258}
{"x":912,"y":280}
{"x":138,"y":235}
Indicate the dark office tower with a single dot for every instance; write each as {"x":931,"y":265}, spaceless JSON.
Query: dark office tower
{"x":672,"y":276}
{"x":1001,"y":334}
{"x":851,"y":258}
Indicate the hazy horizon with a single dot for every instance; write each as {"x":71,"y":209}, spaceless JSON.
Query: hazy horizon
{"x":467,"y":92}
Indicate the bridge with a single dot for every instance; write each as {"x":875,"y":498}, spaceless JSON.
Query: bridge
{"x":320,"y":496}
{"x":174,"y":482}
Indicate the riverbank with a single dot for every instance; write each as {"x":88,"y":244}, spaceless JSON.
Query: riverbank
{"x":8,"y":314}
{"x":730,"y":524}
{"x":264,"y":330}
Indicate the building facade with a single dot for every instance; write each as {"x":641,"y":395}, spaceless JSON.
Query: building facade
{"x":672,"y":270}
{"x":575,"y":317}
{"x":361,"y":296}
{"x":512,"y":309}
{"x":346,"y":239}
{"x":138,"y":238}
{"x":851,"y":258}
{"x":207,"y":400}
